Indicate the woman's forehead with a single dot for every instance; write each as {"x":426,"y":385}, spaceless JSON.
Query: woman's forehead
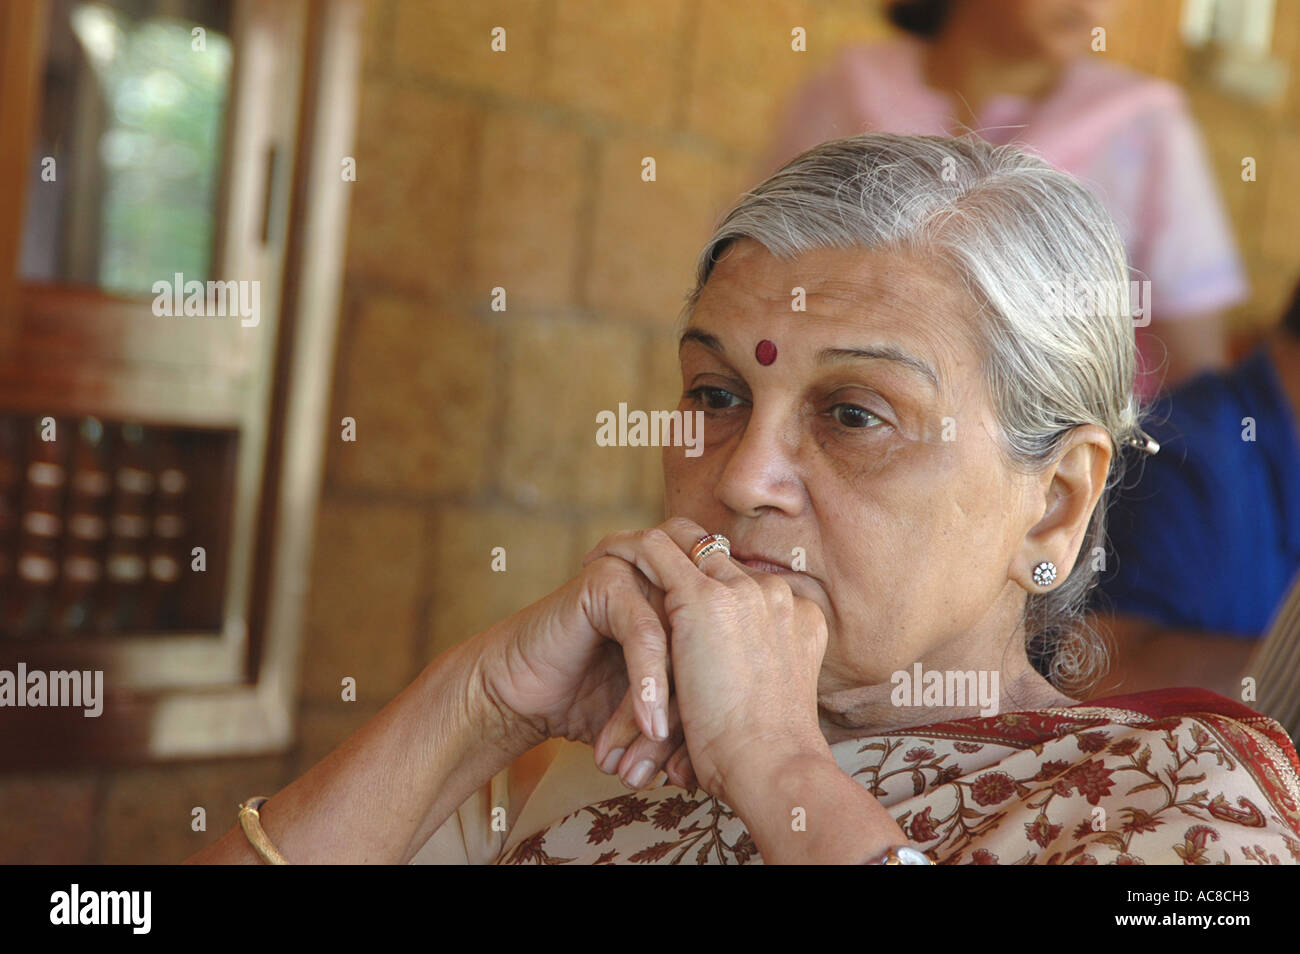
{"x":830,"y":290}
{"x":846,"y":276}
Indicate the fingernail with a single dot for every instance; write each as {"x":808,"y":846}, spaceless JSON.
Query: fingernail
{"x":661,"y":724}
{"x":640,"y":773}
{"x":610,"y":765}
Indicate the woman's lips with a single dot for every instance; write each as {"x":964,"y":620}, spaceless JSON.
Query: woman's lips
{"x":763,"y":565}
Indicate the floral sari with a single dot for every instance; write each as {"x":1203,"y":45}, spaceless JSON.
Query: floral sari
{"x":1179,"y":776}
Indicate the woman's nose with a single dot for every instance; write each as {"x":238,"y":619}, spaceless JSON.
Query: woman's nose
{"x":763,"y":469}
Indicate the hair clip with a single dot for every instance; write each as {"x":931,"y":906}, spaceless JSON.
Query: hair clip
{"x":1140,"y":440}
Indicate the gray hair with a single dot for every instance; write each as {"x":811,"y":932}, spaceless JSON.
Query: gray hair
{"x":1024,"y":238}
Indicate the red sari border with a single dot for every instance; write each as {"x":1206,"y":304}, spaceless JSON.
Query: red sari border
{"x":1159,"y":703}
{"x":1029,"y":728}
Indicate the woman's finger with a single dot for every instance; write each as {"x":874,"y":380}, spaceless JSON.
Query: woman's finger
{"x":680,"y":771}
{"x":686,"y":533}
{"x":617,"y":736}
{"x":646,"y":758}
{"x":623,"y":600}
{"x":661,"y":554}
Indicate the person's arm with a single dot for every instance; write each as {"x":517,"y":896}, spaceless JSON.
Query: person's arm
{"x":806,"y":810}
{"x":1151,"y":656}
{"x":548,"y":671}
{"x":747,"y":654}
{"x":380,"y":795}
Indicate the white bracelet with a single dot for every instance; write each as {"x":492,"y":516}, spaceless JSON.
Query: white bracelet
{"x":904,"y":855}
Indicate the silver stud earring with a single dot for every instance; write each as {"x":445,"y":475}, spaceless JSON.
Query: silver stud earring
{"x":1045,"y":573}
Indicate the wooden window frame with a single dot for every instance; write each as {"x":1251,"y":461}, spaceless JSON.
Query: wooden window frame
{"x":232,"y":692}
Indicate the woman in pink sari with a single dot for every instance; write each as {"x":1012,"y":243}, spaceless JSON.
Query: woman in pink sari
{"x":1035,"y":73}
{"x":858,"y":636}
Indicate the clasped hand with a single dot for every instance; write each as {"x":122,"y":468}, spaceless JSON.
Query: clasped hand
{"x":701,"y":672}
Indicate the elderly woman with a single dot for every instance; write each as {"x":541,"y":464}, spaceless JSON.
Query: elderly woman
{"x":855,"y":639}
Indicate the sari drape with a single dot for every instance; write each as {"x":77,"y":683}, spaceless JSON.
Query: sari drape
{"x":1178,"y":776}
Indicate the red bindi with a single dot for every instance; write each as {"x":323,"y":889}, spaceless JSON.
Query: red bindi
{"x":765,"y":352}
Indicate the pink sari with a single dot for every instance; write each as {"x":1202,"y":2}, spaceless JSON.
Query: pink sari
{"x":1178,"y":776}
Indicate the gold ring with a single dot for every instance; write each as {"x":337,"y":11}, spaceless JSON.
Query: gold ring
{"x":707,"y":544}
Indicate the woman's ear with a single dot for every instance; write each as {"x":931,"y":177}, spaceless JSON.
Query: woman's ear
{"x":1071,"y":488}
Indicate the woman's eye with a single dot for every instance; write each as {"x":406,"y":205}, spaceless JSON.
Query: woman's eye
{"x":850,"y":415}
{"x":715,"y":399}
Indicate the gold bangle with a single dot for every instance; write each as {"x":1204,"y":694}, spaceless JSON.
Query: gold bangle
{"x":251,"y":822}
